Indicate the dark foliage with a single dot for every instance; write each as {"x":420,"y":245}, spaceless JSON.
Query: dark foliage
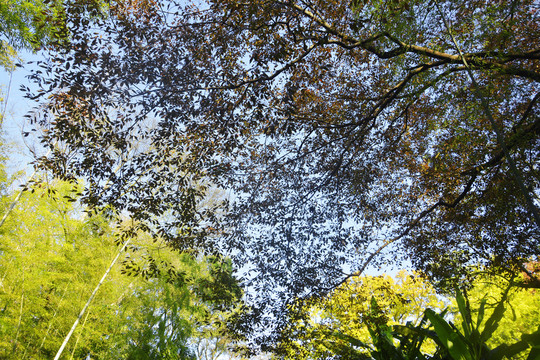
{"x":338,"y":130}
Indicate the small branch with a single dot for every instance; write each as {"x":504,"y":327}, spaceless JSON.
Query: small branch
{"x":412,"y":225}
{"x":18,"y":197}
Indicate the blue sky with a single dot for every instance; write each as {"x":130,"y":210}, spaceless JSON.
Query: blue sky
{"x":14,"y":107}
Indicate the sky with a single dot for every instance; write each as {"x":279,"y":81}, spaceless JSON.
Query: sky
{"x":14,"y":107}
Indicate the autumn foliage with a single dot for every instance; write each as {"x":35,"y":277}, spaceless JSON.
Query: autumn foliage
{"x":338,"y":130}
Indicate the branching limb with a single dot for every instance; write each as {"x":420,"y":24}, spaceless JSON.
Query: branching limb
{"x":408,"y":229}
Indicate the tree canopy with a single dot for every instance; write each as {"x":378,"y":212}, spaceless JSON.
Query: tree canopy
{"x":347,"y":313}
{"x":52,"y":257}
{"x":351,"y":322}
{"x":338,"y":129}
{"x":30,"y":24}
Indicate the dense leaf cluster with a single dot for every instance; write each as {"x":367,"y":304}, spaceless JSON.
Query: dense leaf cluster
{"x":376,"y":318}
{"x":51,"y":259}
{"x":337,"y":129}
{"x":29,"y":25}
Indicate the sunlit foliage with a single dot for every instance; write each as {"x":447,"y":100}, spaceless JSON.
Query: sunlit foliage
{"x":340,"y":130}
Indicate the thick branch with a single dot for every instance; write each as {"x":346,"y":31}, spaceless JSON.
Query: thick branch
{"x":479,"y":60}
{"x":476,"y":61}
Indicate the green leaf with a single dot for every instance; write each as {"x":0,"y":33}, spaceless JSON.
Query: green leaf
{"x":350,"y":339}
{"x":533,"y":340}
{"x":411,"y":339}
{"x":465,"y":313}
{"x":534,"y":354}
{"x":449,"y":337}
{"x":414,"y":332}
{"x":481,"y":312}
{"x":507,"y":351}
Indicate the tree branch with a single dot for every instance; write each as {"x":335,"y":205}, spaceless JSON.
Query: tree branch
{"x":408,"y":229}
